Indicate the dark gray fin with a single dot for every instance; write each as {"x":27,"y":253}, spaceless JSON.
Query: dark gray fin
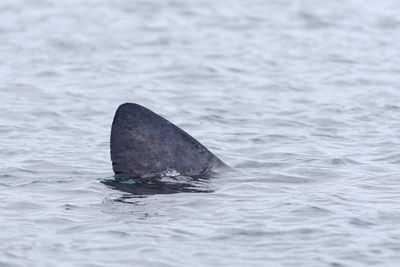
{"x":144,"y":143}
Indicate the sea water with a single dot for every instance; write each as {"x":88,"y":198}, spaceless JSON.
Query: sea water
{"x":300,"y":97}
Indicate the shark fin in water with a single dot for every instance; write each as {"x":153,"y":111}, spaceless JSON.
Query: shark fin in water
{"x":144,"y":143}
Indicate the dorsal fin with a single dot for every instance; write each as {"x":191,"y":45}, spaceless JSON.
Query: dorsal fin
{"x":142,"y":142}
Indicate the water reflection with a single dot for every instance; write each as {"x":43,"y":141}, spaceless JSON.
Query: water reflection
{"x":161,"y":185}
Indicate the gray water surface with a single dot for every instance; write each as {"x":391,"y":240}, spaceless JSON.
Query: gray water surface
{"x":301,"y":97}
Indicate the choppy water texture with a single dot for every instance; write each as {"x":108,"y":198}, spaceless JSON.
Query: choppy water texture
{"x":302,"y":97}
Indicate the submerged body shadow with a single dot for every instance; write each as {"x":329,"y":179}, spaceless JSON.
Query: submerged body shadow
{"x":161,"y":185}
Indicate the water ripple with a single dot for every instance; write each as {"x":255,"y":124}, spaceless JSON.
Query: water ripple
{"x":300,"y":97}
